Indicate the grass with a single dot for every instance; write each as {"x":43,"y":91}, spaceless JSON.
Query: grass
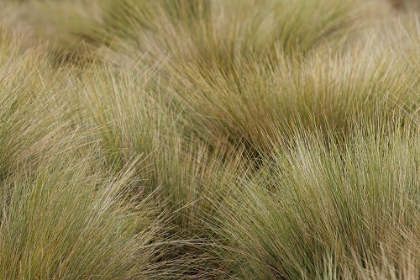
{"x":71,"y":223}
{"x":316,"y":206}
{"x":209,"y":139}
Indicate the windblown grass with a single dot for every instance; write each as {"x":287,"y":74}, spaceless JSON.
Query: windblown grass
{"x":69,"y":222}
{"x":319,"y":207}
{"x":209,"y":139}
{"x":32,"y":122}
{"x":259,"y":99}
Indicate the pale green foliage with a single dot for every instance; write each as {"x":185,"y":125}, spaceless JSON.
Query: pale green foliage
{"x":31,"y":120}
{"x":68,"y":222}
{"x":356,"y":207}
{"x":257,"y":100}
{"x":209,"y":139}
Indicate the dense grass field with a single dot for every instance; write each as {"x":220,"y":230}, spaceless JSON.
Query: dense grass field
{"x":210,"y":139}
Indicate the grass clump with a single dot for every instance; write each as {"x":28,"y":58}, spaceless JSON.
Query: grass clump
{"x":323,"y":212}
{"x":67,"y":222}
{"x":250,"y":106}
{"x":32,"y":124}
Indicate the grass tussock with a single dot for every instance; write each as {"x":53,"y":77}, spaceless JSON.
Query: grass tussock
{"x":33,"y":123}
{"x":209,"y":139}
{"x":251,"y":105}
{"x":318,"y":207}
{"x":69,"y":222}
